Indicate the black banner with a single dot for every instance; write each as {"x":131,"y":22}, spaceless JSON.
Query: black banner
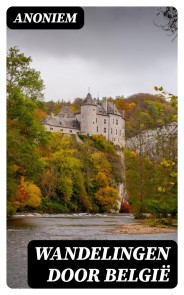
{"x":45,"y":18}
{"x":102,"y":264}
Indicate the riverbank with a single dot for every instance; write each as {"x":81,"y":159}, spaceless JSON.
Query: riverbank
{"x":141,"y":228}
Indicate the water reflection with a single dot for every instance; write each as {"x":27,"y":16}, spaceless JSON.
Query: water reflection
{"x":21,"y":223}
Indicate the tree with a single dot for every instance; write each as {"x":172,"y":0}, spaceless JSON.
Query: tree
{"x":108,"y":198}
{"x":28,"y":194}
{"x":169,"y":16}
{"x":123,"y":104}
{"x":152,"y":156}
{"x":63,"y":179}
{"x":25,"y":134}
{"x":151,"y":110}
{"x":139,"y":174}
{"x":20,"y":76}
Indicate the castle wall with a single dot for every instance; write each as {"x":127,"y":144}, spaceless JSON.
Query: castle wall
{"x":78,"y":117}
{"x":88,"y":119}
{"x":116,"y":130}
{"x":102,"y":125}
{"x":62,"y":129}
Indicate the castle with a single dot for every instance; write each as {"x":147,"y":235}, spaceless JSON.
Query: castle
{"x":94,"y":117}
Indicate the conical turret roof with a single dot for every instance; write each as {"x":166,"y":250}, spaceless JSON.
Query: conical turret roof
{"x":89,"y":100}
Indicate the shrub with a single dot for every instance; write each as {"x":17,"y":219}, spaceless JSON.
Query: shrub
{"x":139,"y":215}
{"x":161,"y":208}
{"x":107,"y":198}
{"x":56,"y":207}
{"x":34,"y":196}
{"x":125,"y":207}
{"x":11,"y":210}
{"x":160,"y":222}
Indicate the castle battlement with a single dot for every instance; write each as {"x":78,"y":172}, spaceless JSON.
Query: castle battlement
{"x":94,"y":117}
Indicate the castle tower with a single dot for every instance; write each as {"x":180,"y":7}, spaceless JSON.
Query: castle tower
{"x":88,"y":116}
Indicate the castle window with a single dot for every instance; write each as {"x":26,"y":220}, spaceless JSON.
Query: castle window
{"x":116,"y":121}
{"x":61,"y":129}
{"x":93,"y":122}
{"x":111,"y":130}
{"x":96,"y":120}
{"x":120,"y":132}
{"x":113,"y":121}
{"x":93,"y":110}
{"x":60,"y":123}
{"x":97,"y":128}
{"x":51,"y":128}
{"x":104,"y":130}
{"x":116,"y":131}
{"x":105,"y":121}
{"x":70,"y":131}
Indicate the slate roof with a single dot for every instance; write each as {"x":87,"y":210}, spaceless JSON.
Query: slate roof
{"x":101,"y":110}
{"x":62,"y":122}
{"x":111,"y":108}
{"x":66,"y":112}
{"x":89,"y":100}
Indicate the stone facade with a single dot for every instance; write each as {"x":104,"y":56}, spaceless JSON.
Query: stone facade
{"x":94,"y":118}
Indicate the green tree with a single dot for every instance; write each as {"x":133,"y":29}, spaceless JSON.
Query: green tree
{"x":139,"y":179}
{"x":25,"y":134}
{"x":151,"y":165}
{"x":20,"y":76}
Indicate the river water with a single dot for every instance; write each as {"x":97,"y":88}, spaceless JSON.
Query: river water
{"x":22,"y":229}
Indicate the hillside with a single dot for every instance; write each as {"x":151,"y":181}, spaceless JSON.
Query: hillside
{"x":74,"y":176}
{"x":149,"y":112}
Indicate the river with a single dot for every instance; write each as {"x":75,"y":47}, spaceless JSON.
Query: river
{"x":24,"y":228}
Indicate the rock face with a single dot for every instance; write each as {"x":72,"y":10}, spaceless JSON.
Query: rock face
{"x":149,"y":141}
{"x":122,"y":186}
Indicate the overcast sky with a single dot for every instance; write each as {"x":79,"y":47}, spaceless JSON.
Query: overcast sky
{"x":119,"y":51}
